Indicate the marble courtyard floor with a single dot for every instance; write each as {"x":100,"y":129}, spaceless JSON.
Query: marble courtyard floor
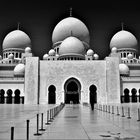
{"x":73,"y":122}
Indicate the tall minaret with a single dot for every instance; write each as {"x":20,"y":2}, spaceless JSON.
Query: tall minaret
{"x":122,"y":25}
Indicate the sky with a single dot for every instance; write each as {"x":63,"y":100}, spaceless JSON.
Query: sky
{"x":38,"y":19}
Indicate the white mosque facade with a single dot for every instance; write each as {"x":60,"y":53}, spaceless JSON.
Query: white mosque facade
{"x":70,"y":70}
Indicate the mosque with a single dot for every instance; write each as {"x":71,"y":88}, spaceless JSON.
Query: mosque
{"x":70,"y":70}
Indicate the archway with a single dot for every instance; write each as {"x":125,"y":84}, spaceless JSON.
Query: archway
{"x":17,"y":96}
{"x":93,"y":94}
{"x":126,"y":95}
{"x":51,"y":94}
{"x":134,"y":96}
{"x":9,"y":96}
{"x":139,"y":95}
{"x":2,"y":98}
{"x":72,"y":90}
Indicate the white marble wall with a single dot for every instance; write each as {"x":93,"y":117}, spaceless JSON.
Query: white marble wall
{"x":113,"y":80}
{"x":87,"y":72}
{"x":31,"y":80}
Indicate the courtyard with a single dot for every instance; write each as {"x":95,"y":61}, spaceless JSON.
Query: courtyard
{"x":74,"y":121}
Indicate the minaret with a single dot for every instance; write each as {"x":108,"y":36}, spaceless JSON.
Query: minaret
{"x":122,"y":25}
{"x":71,"y":34}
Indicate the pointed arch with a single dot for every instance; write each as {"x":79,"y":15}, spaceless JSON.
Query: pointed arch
{"x":93,"y":93}
{"x":51,"y":94}
{"x":72,"y":91}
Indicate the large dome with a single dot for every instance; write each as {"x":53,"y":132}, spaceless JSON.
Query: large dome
{"x":70,"y":26}
{"x":16,"y":39}
{"x":71,"y":45}
{"x":124,"y":40}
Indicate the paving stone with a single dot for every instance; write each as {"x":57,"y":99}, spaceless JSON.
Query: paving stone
{"x":73,"y":122}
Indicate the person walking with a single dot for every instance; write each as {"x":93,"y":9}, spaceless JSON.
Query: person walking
{"x":92,"y":100}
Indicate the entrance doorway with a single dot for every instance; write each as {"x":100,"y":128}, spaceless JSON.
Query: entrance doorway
{"x":134,"y":95}
{"x":72,"y":89}
{"x":9,"y":96}
{"x":126,"y":95}
{"x":17,"y":96}
{"x":93,"y":94}
{"x":51,"y":94}
{"x":2,"y":97}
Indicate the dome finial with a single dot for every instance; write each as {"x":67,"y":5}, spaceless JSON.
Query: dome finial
{"x":18,"y":25}
{"x":122,"y":25}
{"x":70,"y":11}
{"x":71,"y":33}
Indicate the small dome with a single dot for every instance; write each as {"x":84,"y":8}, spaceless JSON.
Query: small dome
{"x":11,"y":56}
{"x":71,"y":45}
{"x":19,"y":70}
{"x":57,"y":55}
{"x":124,"y":69}
{"x":114,"y":50}
{"x":70,"y":26}
{"x":96,"y":56}
{"x":45,"y":56}
{"x":124,"y":40}
{"x":27,"y":50}
{"x":90,"y":52}
{"x":51,"y":52}
{"x":16,"y":39}
{"x":18,"y":59}
{"x":130,"y":56}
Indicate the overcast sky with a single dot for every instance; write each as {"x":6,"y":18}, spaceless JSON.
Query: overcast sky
{"x":38,"y":19}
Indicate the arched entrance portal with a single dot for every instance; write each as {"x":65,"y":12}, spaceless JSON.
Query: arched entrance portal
{"x":126,"y":95}
{"x":2,"y":98}
{"x":72,"y":90}
{"x":51,"y":94}
{"x":93,"y":94}
{"x":9,"y":96}
{"x":17,"y":96}
{"x":134,"y":95}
